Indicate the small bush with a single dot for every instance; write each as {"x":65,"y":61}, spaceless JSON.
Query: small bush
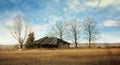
{"x":30,"y":40}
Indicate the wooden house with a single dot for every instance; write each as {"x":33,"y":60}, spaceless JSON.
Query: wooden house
{"x":50,"y":42}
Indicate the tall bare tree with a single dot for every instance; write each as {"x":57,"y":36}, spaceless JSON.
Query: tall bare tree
{"x":91,"y":32}
{"x":75,"y":30}
{"x":19,"y":29}
{"x":59,"y":29}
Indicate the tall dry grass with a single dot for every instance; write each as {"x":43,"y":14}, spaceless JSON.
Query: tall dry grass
{"x":61,"y":57}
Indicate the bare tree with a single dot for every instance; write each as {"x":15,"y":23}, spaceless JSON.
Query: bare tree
{"x":19,"y":29}
{"x":59,"y":29}
{"x":75,"y":31}
{"x":91,"y":32}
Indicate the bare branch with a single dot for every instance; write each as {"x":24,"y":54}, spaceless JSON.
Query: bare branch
{"x":59,"y":29}
{"x":90,"y":27}
{"x":74,"y":31}
{"x":19,"y":30}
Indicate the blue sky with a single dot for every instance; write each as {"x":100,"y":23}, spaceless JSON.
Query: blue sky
{"x":43,"y":13}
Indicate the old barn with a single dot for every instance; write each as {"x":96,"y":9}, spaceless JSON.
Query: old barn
{"x":51,"y":42}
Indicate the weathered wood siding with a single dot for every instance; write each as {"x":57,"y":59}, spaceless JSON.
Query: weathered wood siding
{"x":62,"y":45}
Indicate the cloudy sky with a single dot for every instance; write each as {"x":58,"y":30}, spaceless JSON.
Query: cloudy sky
{"x":43,"y":13}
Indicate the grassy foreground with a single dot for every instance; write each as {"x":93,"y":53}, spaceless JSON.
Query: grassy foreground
{"x":61,"y":57}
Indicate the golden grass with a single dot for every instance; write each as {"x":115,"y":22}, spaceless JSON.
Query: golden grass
{"x":61,"y":57}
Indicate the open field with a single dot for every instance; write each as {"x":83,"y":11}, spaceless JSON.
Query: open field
{"x":81,"y":56}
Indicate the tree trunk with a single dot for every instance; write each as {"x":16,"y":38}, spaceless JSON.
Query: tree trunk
{"x":89,"y":38}
{"x":21,"y":46}
{"x":61,"y":35}
{"x":75,"y":44}
{"x":75,"y":39}
{"x":89,"y":43}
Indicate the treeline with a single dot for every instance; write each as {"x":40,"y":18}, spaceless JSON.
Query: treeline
{"x":75,"y":29}
{"x":70,"y":30}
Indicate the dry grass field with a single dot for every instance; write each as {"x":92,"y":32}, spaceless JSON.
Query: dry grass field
{"x":81,"y":56}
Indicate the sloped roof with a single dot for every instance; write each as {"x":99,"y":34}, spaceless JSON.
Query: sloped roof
{"x":49,"y":40}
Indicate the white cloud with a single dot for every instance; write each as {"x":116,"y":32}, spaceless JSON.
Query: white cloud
{"x":15,"y":1}
{"x":110,"y":37}
{"x":40,"y":30}
{"x":9,"y":23}
{"x":106,"y":3}
{"x":74,"y":6}
{"x":111,"y":23}
{"x":5,"y":36}
{"x":53,"y":19}
{"x":77,"y":6}
{"x":8,"y":14}
{"x":103,"y":3}
{"x":92,"y":3}
{"x":49,"y":10}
